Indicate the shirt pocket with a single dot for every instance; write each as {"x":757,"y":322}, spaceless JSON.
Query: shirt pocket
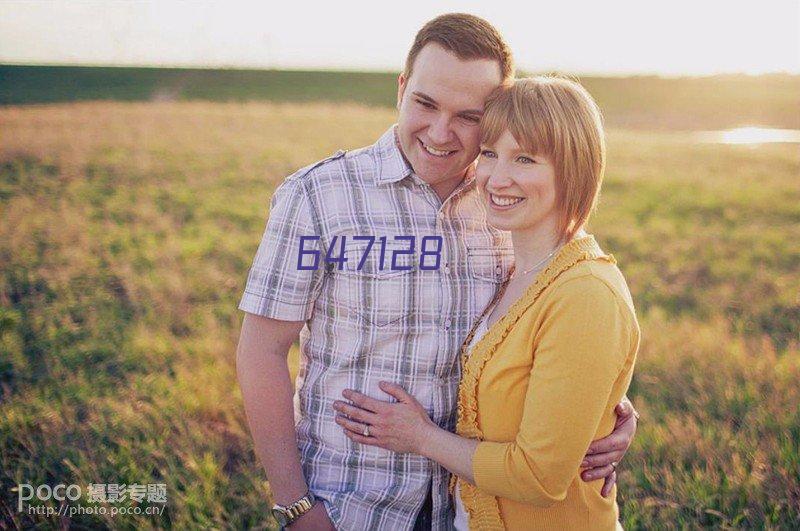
{"x":378,"y":292}
{"x":489,"y":264}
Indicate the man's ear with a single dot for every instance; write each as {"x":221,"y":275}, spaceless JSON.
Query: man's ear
{"x":401,"y":88}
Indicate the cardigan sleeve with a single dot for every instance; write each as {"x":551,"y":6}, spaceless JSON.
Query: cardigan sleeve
{"x":580,"y":351}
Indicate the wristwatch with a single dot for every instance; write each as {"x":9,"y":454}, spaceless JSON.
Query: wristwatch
{"x":286,"y":515}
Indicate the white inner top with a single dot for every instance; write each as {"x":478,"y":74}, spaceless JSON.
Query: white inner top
{"x":461,"y":521}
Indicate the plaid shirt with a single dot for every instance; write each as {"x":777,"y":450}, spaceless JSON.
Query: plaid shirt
{"x":368,"y":319}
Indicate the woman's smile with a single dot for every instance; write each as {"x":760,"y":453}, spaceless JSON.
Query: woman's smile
{"x":504,"y":202}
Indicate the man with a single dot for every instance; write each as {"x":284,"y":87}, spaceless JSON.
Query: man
{"x":380,"y":260}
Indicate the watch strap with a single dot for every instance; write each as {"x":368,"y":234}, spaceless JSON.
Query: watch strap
{"x":297,"y":509}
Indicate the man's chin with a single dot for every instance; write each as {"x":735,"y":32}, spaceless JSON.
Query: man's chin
{"x":437,"y":173}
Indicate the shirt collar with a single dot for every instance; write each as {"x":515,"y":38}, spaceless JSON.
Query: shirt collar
{"x":392,"y":165}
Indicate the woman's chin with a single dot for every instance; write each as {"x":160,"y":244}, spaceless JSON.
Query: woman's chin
{"x":501,"y":224}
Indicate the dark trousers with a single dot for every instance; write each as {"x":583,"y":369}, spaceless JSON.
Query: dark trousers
{"x":425,"y":516}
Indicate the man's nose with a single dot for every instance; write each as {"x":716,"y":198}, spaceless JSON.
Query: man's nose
{"x":439,"y":131}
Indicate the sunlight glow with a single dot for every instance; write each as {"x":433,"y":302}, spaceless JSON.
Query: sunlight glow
{"x":680,"y":37}
{"x":750,"y":135}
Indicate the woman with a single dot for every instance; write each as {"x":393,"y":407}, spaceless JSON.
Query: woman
{"x":554,"y":352}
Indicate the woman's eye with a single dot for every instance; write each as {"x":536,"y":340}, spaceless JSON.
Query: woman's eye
{"x":525,"y":160}
{"x":487,"y":153}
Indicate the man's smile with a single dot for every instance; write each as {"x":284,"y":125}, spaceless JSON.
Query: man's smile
{"x":435,"y":152}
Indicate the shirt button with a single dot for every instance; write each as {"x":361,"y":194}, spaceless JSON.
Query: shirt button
{"x":447,"y":268}
{"x":447,"y":323}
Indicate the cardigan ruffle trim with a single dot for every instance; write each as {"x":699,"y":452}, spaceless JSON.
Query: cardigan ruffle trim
{"x":483,"y":508}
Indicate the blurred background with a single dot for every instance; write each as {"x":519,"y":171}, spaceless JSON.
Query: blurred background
{"x":140,"y":143}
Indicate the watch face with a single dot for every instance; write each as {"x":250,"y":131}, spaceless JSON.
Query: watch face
{"x":280,"y":517}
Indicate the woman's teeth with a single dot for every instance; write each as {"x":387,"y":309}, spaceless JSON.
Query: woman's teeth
{"x":505,"y":201}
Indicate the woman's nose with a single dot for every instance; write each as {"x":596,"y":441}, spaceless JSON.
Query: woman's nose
{"x":499,"y":178}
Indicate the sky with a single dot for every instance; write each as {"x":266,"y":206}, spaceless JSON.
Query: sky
{"x":613,"y":37}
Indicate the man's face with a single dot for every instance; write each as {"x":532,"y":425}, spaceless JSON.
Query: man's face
{"x":440,"y":106}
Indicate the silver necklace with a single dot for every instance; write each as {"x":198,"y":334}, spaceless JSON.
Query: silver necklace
{"x":538,"y":265}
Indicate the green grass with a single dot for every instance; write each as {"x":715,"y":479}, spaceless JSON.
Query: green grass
{"x":643,"y":102}
{"x":126,"y":231}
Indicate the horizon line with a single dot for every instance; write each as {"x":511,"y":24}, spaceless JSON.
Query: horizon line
{"x":192,"y":66}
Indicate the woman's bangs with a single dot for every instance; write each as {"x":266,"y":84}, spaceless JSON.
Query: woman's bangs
{"x":495,"y":118}
{"x":530,"y":124}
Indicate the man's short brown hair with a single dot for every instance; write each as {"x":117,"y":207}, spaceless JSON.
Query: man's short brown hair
{"x":466,"y":36}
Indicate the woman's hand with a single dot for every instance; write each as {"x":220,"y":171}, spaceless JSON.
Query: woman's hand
{"x":401,"y":426}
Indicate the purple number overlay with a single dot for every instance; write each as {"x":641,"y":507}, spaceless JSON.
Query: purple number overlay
{"x":430,"y":253}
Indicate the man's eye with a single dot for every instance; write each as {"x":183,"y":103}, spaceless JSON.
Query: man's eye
{"x":488,"y":153}
{"x":425,"y":104}
{"x":471,"y":119}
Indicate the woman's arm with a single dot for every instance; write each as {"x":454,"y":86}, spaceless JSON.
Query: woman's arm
{"x":581,"y":352}
{"x":582,"y":347}
{"x":404,"y":427}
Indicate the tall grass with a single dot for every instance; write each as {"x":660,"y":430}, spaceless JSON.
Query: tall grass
{"x":126,"y":231}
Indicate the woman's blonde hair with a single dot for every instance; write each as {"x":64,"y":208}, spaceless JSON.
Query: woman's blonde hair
{"x":557,"y":118}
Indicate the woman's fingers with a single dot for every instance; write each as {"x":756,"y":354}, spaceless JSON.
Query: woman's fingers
{"x":361,"y":415}
{"x":363,"y":401}
{"x":395,"y":391}
{"x":351,"y":426}
{"x":359,"y":438}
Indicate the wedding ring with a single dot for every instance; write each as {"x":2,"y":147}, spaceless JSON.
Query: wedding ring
{"x":366,"y":430}
{"x":614,"y":465}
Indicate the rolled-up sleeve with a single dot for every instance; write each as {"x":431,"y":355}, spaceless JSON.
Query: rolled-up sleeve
{"x":580,"y":352}
{"x":276,"y":287}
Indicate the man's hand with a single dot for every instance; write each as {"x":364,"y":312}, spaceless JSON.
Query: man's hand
{"x":604,"y":454}
{"x":314,"y":520}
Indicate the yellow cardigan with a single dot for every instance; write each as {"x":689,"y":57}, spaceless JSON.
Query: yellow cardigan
{"x":539,"y":386}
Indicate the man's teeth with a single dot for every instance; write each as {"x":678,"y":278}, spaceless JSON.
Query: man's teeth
{"x":505,"y":201}
{"x":436,"y":152}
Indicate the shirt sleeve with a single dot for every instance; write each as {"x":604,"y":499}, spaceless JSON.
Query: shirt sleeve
{"x":581,"y":351}
{"x":276,"y":286}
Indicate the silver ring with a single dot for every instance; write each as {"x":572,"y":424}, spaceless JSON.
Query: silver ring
{"x":614,"y":465}
{"x":366,"y":430}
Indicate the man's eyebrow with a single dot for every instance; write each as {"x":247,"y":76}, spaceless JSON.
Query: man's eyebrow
{"x":423,"y":96}
{"x":477,"y":112}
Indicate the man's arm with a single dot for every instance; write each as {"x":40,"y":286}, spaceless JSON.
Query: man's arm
{"x":263,"y":372}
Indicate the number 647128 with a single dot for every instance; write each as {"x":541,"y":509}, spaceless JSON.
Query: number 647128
{"x":430,"y":252}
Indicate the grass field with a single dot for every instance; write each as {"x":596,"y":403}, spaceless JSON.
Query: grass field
{"x":126,"y":231}
{"x":645,"y":102}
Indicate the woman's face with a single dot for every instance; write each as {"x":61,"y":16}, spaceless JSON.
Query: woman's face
{"x":518,"y":187}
